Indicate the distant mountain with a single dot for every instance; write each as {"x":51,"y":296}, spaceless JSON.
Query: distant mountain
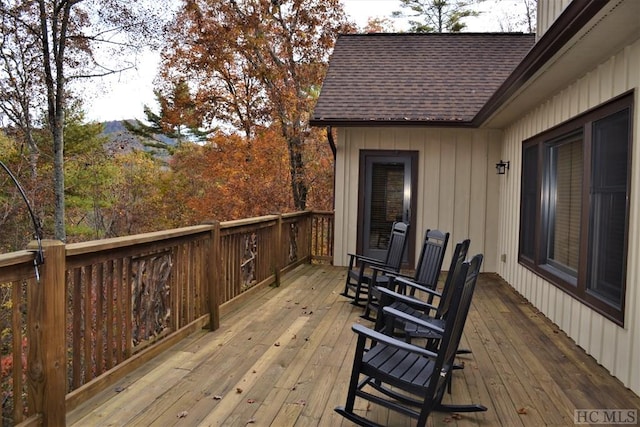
{"x":120,"y":139}
{"x":123,"y":141}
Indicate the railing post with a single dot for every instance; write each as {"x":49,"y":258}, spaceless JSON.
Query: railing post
{"x":309,"y":230}
{"x":277,"y":253}
{"x":214,"y":275}
{"x":46,"y":319}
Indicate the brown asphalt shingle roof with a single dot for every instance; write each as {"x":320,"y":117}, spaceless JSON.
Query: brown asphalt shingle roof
{"x":431,"y":78}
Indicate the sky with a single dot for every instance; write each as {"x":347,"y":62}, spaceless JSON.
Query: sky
{"x":123,"y":96}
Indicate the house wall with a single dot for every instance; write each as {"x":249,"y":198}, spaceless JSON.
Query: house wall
{"x":548,"y":11}
{"x":457,"y":184}
{"x":616,"y":348}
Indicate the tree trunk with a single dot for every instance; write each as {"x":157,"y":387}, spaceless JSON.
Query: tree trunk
{"x":58,"y":177}
{"x":296,"y":167}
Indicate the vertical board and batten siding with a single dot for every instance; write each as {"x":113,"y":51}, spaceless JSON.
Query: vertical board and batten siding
{"x":548,"y":12}
{"x":457,"y":184}
{"x":616,"y":348}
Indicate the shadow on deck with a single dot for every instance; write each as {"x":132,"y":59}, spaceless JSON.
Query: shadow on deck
{"x":284,"y":359}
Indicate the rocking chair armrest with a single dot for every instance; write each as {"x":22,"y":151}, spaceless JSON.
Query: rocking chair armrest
{"x":408,"y":282}
{"x":372,"y":263}
{"x":390,"y":341}
{"x":388,"y":271}
{"x":366,"y":259}
{"x":413,"y":302}
{"x":408,"y":318}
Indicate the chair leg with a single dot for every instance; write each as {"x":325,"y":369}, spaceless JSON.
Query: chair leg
{"x":369,"y":306}
{"x":347,"y":281}
{"x":347,"y":284}
{"x":345,"y":293}
{"x":367,"y":314}
{"x":361,"y":287}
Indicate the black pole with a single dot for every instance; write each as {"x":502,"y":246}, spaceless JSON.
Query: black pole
{"x":39,"y":258}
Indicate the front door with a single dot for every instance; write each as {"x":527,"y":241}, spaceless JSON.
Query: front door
{"x":386,"y":196}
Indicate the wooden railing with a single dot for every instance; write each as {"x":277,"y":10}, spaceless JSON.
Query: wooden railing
{"x":103,"y":308}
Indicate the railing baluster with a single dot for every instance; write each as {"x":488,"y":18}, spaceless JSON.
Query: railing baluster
{"x":99,"y":341}
{"x":17,"y":349}
{"x":77,"y":328}
{"x":110,"y":321}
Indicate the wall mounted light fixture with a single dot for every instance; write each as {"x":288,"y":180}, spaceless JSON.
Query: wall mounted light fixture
{"x":502,"y":167}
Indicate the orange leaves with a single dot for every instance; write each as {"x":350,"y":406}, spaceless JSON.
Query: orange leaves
{"x":255,"y":65}
{"x":234,"y":178}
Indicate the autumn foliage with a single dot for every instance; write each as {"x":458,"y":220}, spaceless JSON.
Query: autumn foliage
{"x":232,"y":177}
{"x":256,"y":64}
{"x":238,"y":82}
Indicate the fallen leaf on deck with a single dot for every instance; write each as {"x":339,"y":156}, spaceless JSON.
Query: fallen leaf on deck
{"x":118,"y":389}
{"x":217,"y":397}
{"x":294,"y":337}
{"x":251,"y":421}
{"x":304,"y":307}
{"x":301,"y":402}
{"x":251,"y":401}
{"x":277,"y":344}
{"x":522,"y":411}
{"x":183,"y":414}
{"x":238,"y":390}
{"x":254,"y":371}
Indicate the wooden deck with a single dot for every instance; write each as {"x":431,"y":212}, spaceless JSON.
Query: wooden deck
{"x":284,"y":359}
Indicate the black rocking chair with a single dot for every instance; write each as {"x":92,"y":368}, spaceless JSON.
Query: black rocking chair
{"x":427,"y":272}
{"x":421,"y":308}
{"x":359,"y":274}
{"x":422,"y":375}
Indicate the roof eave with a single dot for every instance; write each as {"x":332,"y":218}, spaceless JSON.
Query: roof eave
{"x":389,"y":123}
{"x":568,"y":24}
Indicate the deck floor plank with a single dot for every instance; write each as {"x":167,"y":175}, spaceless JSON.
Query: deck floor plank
{"x":284,"y":358}
{"x":509,"y":352}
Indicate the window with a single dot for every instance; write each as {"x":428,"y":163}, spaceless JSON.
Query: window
{"x":574,"y":206}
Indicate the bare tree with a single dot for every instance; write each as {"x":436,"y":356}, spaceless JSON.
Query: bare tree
{"x":48,"y":43}
{"x":436,"y":16}
{"x":520,"y":18}
{"x":20,"y":79}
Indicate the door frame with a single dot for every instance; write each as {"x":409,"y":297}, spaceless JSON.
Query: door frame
{"x":413,"y":158}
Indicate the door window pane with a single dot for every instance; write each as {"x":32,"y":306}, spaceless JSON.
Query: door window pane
{"x":387,"y":201}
